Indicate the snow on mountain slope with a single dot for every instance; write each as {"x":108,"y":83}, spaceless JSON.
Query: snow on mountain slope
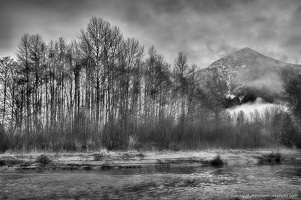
{"x":248,"y":73}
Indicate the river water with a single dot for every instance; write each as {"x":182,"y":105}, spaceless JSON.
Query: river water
{"x":229,"y":182}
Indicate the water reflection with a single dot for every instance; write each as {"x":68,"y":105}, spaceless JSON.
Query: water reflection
{"x":152,"y":183}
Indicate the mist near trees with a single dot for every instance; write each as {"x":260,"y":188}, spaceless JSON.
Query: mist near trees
{"x":106,"y":91}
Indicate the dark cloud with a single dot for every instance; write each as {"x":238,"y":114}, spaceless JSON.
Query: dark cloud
{"x":294,"y":41}
{"x":202,"y":29}
{"x":297,"y":14}
{"x":204,"y":6}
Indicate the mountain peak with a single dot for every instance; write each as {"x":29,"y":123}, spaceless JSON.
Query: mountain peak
{"x":247,"y":69}
{"x":246,"y":49}
{"x":241,"y":57}
{"x":247,"y":52}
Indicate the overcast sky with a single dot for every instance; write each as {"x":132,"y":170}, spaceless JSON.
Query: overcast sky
{"x":204,"y":30}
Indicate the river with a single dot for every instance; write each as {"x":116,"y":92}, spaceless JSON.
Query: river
{"x":228,"y":182}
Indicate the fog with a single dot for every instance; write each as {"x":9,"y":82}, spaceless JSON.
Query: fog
{"x":270,"y":81}
{"x":250,"y":107}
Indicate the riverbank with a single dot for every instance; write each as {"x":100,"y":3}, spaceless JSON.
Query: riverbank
{"x":104,"y":160}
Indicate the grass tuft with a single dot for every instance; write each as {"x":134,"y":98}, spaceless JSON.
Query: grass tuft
{"x":275,"y":157}
{"x":271,"y":158}
{"x":217,"y":161}
{"x":43,"y":159}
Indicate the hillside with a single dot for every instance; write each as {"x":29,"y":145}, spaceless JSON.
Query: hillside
{"x":245,"y":75}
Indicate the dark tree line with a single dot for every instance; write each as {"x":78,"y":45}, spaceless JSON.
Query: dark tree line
{"x":106,"y":91}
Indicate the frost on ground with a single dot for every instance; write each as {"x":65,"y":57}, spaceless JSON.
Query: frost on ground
{"x":132,"y":159}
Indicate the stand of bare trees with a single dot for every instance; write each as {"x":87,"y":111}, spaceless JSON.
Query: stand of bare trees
{"x":105,"y":91}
